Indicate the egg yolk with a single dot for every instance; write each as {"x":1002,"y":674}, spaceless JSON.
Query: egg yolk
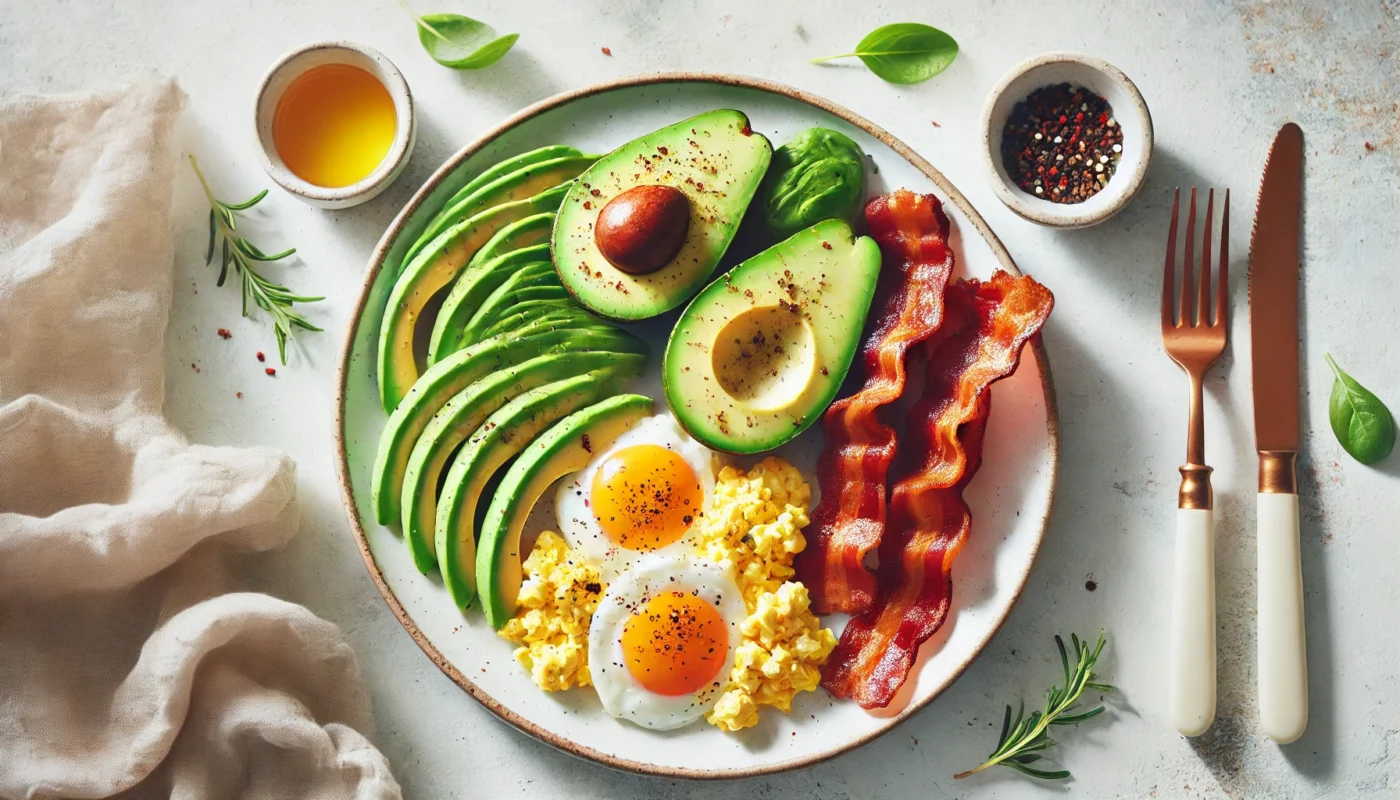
{"x":645,"y":497}
{"x":675,"y":644}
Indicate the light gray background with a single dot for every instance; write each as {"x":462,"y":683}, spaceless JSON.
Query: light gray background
{"x":1219,"y":78}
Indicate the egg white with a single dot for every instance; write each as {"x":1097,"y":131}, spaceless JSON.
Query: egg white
{"x":572,"y":504}
{"x":622,"y":695}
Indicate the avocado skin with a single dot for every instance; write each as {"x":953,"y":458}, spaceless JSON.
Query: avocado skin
{"x":503,"y":435}
{"x":834,"y":287}
{"x":459,"y":419}
{"x":716,"y":159}
{"x":557,"y":452}
{"x":455,"y":373}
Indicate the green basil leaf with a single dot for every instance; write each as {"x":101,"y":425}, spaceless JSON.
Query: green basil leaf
{"x":1359,"y":419}
{"x":905,"y":52}
{"x":461,"y":42}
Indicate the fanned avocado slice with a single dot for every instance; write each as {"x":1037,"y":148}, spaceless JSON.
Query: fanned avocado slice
{"x":504,"y":434}
{"x":506,"y":166}
{"x":530,"y":231}
{"x":502,"y":297}
{"x":461,"y":417}
{"x":471,"y":287}
{"x":563,"y":449}
{"x":522,"y":183}
{"x":462,"y":368}
{"x":760,"y":353}
{"x":715,"y":161}
{"x":562,"y":313}
{"x":435,"y":267}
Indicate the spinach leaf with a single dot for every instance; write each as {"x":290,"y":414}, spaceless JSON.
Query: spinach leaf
{"x":460,"y":42}
{"x":905,"y":52}
{"x":1360,"y":420}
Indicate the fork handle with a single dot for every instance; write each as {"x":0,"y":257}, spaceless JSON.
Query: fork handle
{"x":1283,"y":665}
{"x":1192,"y":681}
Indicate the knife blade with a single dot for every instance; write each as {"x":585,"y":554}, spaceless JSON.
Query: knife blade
{"x":1274,"y":346}
{"x":1273,"y":294}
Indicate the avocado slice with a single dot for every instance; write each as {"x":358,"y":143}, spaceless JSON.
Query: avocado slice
{"x":504,"y":434}
{"x":435,"y":267}
{"x":715,"y":159}
{"x":563,"y":449}
{"x":560,"y":313}
{"x":506,"y":166}
{"x":522,"y":183}
{"x":455,"y":373}
{"x":760,"y":353}
{"x":503,"y":297}
{"x":462,"y":416}
{"x":530,"y":231}
{"x":471,"y":287}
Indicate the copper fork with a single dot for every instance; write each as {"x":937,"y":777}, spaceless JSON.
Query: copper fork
{"x":1195,"y":340}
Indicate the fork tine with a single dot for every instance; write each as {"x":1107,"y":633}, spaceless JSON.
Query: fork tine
{"x":1187,"y":264}
{"x":1168,"y":320}
{"x":1204,"y":286}
{"x":1222,"y":286}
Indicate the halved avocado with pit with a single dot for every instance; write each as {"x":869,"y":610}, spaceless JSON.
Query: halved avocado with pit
{"x":757,"y":357}
{"x":436,"y":266}
{"x":503,"y":435}
{"x":461,"y":369}
{"x":462,"y":416}
{"x":563,"y":449}
{"x":644,"y":228}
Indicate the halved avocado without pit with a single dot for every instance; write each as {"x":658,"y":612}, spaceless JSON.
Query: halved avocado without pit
{"x":461,"y":369}
{"x":716,"y":162}
{"x":501,"y":437}
{"x":760,"y":353}
{"x":463,"y":416}
{"x":563,"y":449}
{"x":436,"y":266}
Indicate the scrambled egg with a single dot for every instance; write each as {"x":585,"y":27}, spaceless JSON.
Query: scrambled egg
{"x":755,"y":525}
{"x":557,"y":600}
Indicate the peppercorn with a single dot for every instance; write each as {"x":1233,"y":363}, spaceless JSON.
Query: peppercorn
{"x":1061,"y":144}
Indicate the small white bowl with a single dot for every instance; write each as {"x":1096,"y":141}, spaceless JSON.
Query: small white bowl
{"x":292,"y":66}
{"x":1129,"y":110}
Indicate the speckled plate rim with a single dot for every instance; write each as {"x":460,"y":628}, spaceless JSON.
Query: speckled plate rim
{"x":376,"y":263}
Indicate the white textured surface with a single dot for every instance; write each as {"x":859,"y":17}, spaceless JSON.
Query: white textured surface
{"x":1219,"y":82}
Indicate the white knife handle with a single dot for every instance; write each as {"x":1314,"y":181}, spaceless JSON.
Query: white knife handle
{"x":1283,"y":668}
{"x":1191,"y":692}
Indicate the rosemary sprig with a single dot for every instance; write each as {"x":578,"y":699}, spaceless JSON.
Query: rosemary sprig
{"x":1023,"y":739}
{"x":241,"y":254}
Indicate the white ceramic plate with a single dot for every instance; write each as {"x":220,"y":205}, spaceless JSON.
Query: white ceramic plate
{"x":1010,"y":497}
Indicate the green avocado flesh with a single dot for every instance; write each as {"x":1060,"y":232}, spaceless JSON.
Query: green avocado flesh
{"x":760,"y":353}
{"x":532,"y":230}
{"x":461,"y":416}
{"x":503,"y":435}
{"x":563,"y":449}
{"x":559,"y":314}
{"x":715,"y":159}
{"x":506,"y":166}
{"x":458,"y":371}
{"x":435,"y":267}
{"x":524,"y":182}
{"x":504,"y":297}
{"x":473,"y":286}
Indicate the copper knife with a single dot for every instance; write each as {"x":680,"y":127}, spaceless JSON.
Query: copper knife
{"x":1274,"y":345}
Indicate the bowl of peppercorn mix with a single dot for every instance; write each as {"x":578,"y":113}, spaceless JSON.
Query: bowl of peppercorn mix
{"x":1067,"y":139}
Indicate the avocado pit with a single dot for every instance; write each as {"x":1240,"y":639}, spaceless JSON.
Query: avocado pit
{"x":642,"y":229}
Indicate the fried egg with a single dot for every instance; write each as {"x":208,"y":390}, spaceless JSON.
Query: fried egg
{"x":643,"y":494}
{"x":662,"y":640}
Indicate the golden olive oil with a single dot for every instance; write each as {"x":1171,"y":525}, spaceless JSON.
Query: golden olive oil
{"x":334,"y":124}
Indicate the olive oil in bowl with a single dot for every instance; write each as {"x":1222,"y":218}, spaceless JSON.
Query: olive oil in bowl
{"x":334,"y":125}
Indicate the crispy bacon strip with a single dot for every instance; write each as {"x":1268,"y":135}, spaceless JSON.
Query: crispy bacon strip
{"x":912,"y":232}
{"x":986,"y":328}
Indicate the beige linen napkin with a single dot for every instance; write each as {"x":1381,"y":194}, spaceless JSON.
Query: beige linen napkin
{"x":126,"y":667}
